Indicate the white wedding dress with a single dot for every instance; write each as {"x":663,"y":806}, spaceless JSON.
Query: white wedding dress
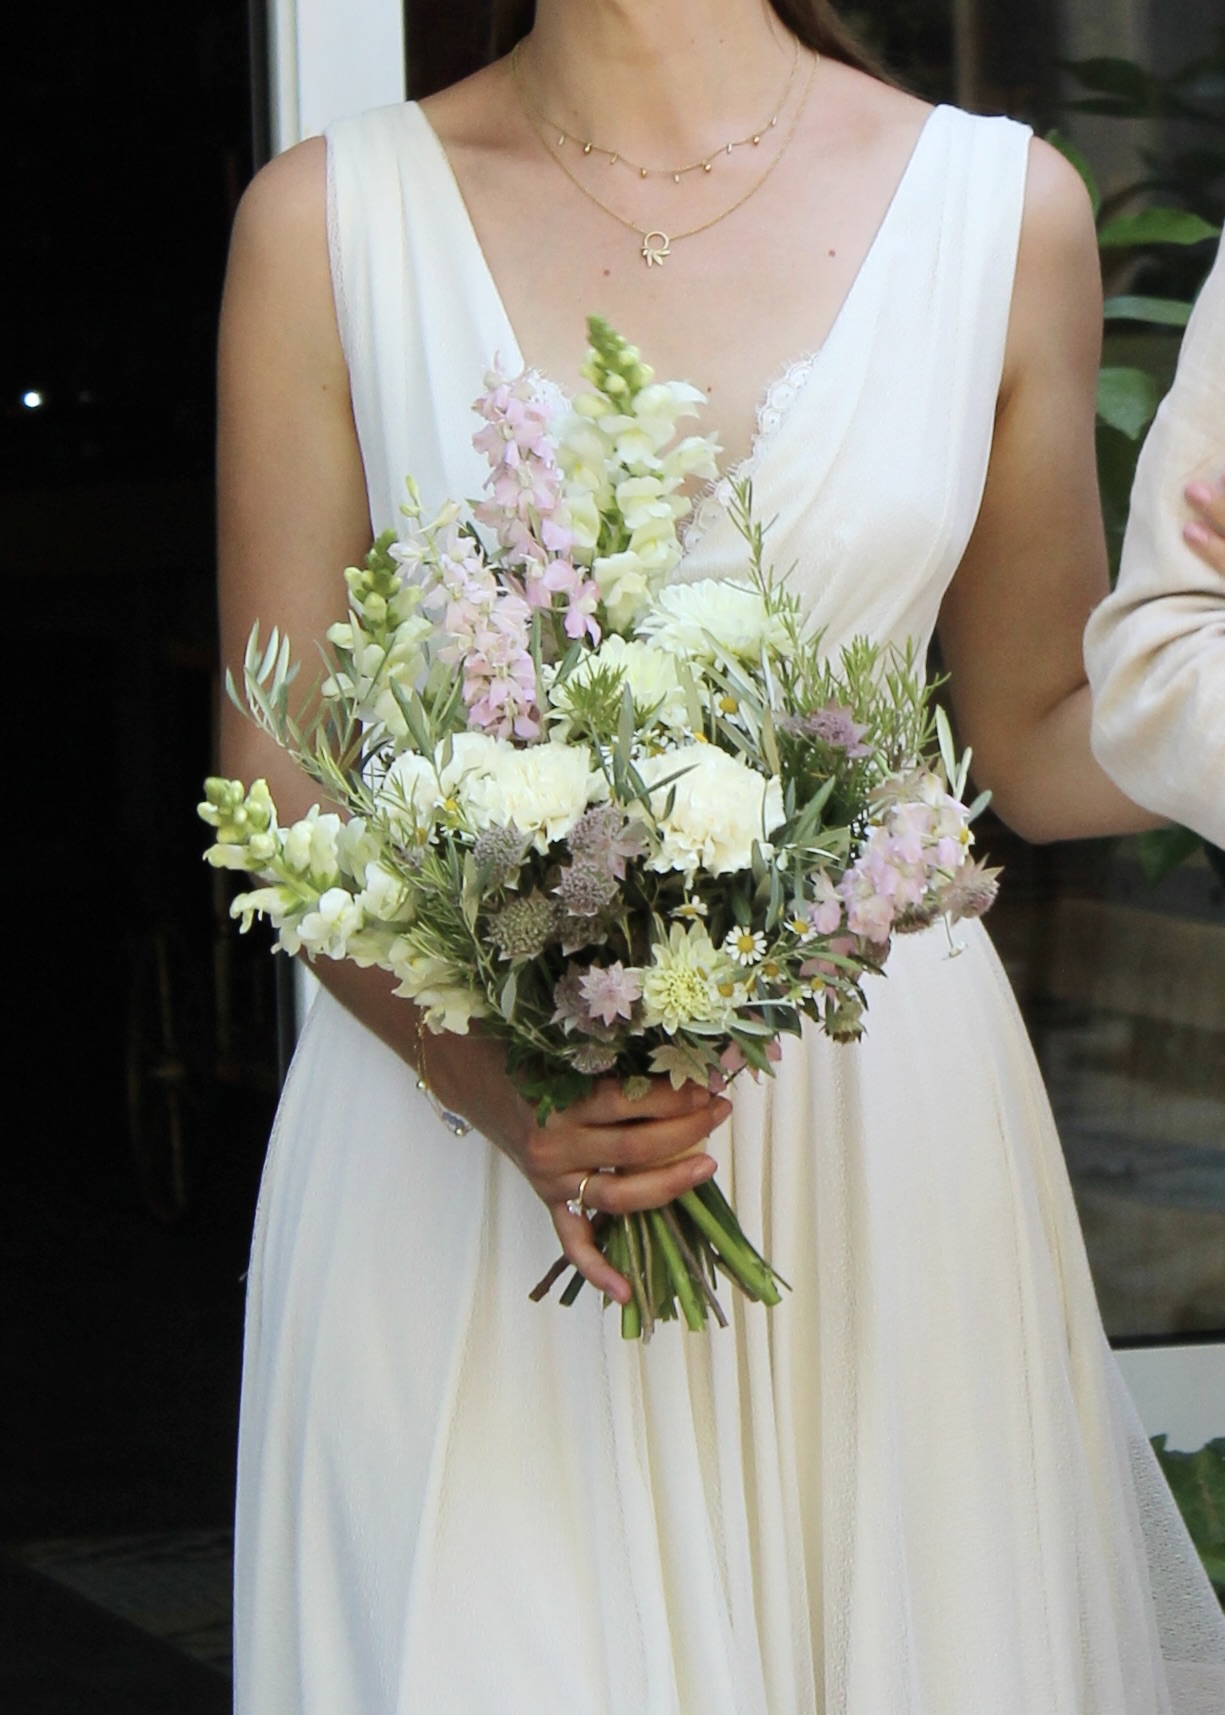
{"x":917,"y":1487}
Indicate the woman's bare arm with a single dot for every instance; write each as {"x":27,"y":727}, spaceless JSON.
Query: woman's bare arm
{"x":292,"y":514}
{"x":1013,"y":619}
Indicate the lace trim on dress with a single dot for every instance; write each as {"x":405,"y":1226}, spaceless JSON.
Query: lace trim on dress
{"x":775,"y":407}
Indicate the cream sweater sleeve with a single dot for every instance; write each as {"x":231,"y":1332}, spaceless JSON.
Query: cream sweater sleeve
{"x":1155,"y":649}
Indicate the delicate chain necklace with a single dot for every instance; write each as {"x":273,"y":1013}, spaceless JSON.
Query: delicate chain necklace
{"x":703,"y":164}
{"x":656,"y":244}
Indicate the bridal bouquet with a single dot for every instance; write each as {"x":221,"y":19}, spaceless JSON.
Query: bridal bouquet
{"x":633,"y":827}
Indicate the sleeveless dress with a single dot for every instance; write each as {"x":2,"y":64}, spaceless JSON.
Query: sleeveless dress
{"x":918,"y":1486}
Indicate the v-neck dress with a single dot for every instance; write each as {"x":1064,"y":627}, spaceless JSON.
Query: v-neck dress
{"x":917,"y":1486}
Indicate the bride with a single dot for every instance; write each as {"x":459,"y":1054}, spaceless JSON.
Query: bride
{"x":917,"y":1485}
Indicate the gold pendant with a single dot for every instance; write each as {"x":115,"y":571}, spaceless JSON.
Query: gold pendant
{"x":655,"y":249}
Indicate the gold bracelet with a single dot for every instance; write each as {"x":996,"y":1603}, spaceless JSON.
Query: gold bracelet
{"x":455,"y":1123}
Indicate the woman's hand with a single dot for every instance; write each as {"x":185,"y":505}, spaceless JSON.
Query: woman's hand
{"x":654,"y":1145}
{"x":1206,"y":531}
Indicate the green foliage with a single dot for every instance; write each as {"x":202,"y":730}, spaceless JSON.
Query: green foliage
{"x":1163,"y":849}
{"x":1197,"y":1481}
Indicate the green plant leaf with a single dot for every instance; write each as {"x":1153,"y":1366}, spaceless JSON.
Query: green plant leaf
{"x":1162,"y":312}
{"x":1127,"y":400}
{"x":1197,"y":1481}
{"x":1155,"y":226}
{"x":1163,"y":849}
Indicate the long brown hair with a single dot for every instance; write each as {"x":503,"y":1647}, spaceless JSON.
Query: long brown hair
{"x":813,"y":22}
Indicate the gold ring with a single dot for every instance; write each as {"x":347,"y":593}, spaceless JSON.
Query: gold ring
{"x":575,"y":1203}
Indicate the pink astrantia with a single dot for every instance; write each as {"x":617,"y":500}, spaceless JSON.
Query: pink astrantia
{"x":610,"y":991}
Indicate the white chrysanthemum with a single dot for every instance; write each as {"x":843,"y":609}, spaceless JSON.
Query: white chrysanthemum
{"x":691,"y":619}
{"x":542,"y":790}
{"x":681,"y":986}
{"x":720,"y":806}
{"x":650,"y":674}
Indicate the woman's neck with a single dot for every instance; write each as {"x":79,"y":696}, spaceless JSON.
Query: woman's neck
{"x":658,"y":79}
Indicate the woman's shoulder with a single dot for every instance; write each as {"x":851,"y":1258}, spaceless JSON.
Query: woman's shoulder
{"x":285,"y":203}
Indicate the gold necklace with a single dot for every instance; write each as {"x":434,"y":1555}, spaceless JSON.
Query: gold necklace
{"x":656,"y":244}
{"x":703,"y":164}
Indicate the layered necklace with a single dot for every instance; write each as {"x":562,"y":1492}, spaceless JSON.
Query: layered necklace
{"x":655,"y":245}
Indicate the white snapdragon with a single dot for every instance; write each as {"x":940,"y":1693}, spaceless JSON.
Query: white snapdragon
{"x":436,"y":986}
{"x":624,"y":586}
{"x":326,"y":929}
{"x":310,"y":848}
{"x":719,"y":807}
{"x":418,"y":791}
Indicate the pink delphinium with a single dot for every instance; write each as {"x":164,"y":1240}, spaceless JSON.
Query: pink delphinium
{"x":526,"y":508}
{"x":488,"y":628}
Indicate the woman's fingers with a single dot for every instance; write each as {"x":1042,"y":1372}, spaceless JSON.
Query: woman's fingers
{"x":608,"y":1103}
{"x":623,"y":1193}
{"x":1206,"y":531}
{"x":643,"y":1144}
{"x":615,"y":1194}
{"x":578,"y":1242}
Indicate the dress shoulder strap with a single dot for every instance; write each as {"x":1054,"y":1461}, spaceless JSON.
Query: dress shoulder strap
{"x":418,"y":322}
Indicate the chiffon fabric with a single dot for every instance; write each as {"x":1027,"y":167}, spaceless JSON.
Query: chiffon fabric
{"x":1155,"y":649}
{"x":917,"y":1487}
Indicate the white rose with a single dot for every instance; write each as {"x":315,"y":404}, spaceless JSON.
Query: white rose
{"x":542,"y":790}
{"x":720,"y":807}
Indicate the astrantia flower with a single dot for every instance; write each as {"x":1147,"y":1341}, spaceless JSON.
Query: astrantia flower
{"x":681,"y":986}
{"x":719,"y":807}
{"x":971,"y":891}
{"x":586,"y":888}
{"x":833,"y":725}
{"x":593,"y":1058}
{"x":523,"y":928}
{"x":604,"y":835}
{"x":499,"y":852}
{"x":746,"y":946}
{"x":610,"y":991}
